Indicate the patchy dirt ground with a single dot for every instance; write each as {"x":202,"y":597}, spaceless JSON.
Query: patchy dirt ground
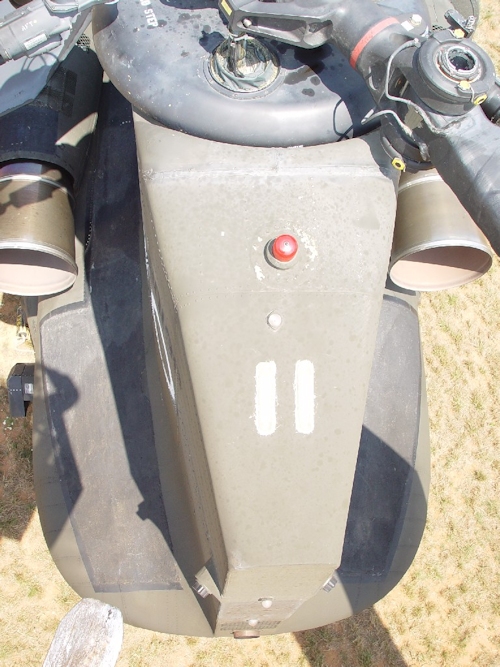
{"x":446,"y":610}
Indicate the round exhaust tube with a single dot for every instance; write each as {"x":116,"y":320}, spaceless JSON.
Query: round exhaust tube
{"x":37,"y":235}
{"x":436,"y":243}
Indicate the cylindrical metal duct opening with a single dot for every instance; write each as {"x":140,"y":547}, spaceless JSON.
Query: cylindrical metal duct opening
{"x":37,"y":237}
{"x":436,"y":244}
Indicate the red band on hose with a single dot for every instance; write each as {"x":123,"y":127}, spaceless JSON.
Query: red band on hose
{"x":367,"y":38}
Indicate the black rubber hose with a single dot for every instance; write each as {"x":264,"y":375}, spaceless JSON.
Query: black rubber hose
{"x":367,"y":33}
{"x":492,"y":105}
{"x":468,"y":160}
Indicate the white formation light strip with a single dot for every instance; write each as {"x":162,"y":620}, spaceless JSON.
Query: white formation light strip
{"x":304,"y":397}
{"x":265,"y":397}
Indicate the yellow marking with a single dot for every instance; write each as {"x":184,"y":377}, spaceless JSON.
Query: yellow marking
{"x":480,"y":99}
{"x":459,"y":33}
{"x":398,"y":164}
{"x":226,"y":7}
{"x":464,"y":85}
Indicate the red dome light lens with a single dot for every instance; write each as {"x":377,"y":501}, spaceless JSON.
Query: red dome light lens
{"x":284,"y":248}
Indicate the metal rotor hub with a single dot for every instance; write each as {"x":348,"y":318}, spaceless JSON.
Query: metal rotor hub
{"x":243,"y":64}
{"x":456,"y":74}
{"x":458,"y":63}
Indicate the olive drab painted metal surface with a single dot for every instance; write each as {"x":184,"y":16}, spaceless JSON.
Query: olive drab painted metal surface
{"x":268,"y":401}
{"x":238,"y":410}
{"x":231,"y":440}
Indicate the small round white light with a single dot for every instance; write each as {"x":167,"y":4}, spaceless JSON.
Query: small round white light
{"x":253,"y":622}
{"x":267,"y":603}
{"x":274,"y":320}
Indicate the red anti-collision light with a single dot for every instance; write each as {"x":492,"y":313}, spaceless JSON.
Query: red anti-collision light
{"x":284,"y":248}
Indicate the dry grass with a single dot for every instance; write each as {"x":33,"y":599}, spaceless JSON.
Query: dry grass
{"x":17,"y":498}
{"x":487,"y":33}
{"x":445,"y":612}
